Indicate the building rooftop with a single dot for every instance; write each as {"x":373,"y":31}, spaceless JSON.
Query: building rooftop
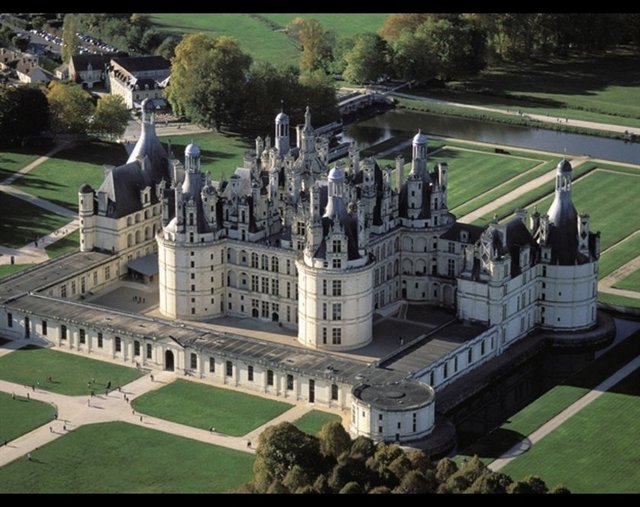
{"x":401,"y":395}
{"x":135,"y":64}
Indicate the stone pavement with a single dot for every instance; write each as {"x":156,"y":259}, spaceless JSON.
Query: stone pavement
{"x":572,"y":409}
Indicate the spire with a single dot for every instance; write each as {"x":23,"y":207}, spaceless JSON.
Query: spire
{"x":307,"y":119}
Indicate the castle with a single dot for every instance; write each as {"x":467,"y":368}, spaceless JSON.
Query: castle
{"x":320,"y":250}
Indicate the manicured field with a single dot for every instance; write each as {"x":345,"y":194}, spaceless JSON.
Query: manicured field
{"x":69,"y":243}
{"x":631,"y":282}
{"x":121,"y":458}
{"x":10,"y":269}
{"x":202,"y":406}
{"x":69,"y":373}
{"x":343,"y":25}
{"x":595,"y":450}
{"x":614,"y":299}
{"x":22,"y":222}
{"x":21,"y":415}
{"x":312,"y":422}
{"x":254,"y":36}
{"x":618,"y":255}
{"x":13,"y":161}
{"x":220,"y":153}
{"x":58,"y":179}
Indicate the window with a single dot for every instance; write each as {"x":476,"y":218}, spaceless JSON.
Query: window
{"x":289,"y":290}
{"x":336,"y":311}
{"x":100,"y":343}
{"x":324,"y":311}
{"x":288,"y":267}
{"x":336,"y":336}
{"x":212,"y":365}
{"x":469,"y":355}
{"x":250,"y":373}
{"x":455,"y":364}
{"x":452,"y":247}
{"x":337,"y":287}
{"x":544,"y":270}
{"x":324,"y":287}
{"x":269,"y":377}
{"x":44,"y":328}
{"x":275,"y":287}
{"x":324,"y":335}
{"x":229,"y":369}
{"x":275,"y":265}
{"x":10,"y":320}
{"x":334,"y":392}
{"x":414,"y":421}
{"x":451,"y":267}
{"x":194,"y":361}
{"x":107,"y":272}
{"x":289,"y":382}
{"x":136,"y":348}
{"x":255,"y":283}
{"x":265,"y":262}
{"x":118,"y":344}
{"x":95,"y":278}
{"x":63,"y":332}
{"x":83,"y":336}
{"x":337,"y":246}
{"x":445,"y":371}
{"x":337,"y":263}
{"x":265,"y":285}
{"x":63,"y":291}
{"x":482,"y":347}
{"x":149,"y":351}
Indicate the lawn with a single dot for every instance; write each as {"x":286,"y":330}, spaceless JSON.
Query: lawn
{"x":631,"y":282}
{"x":618,"y":255}
{"x":253,"y":34}
{"x":70,"y":243}
{"x":591,"y":87}
{"x":343,"y":25}
{"x":203,"y":406}
{"x":59,"y":178}
{"x":21,"y":415}
{"x":596,"y":450}
{"x":13,"y":161}
{"x":22,"y":221}
{"x":613,"y":299}
{"x":312,"y":422}
{"x":220,"y":153}
{"x":10,"y":269}
{"x":70,"y":373}
{"x":121,"y":458}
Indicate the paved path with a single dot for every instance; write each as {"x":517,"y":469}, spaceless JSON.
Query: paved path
{"x":514,"y":194}
{"x":32,"y":254}
{"x":540,"y":117}
{"x":572,"y":409}
{"x":40,"y":160}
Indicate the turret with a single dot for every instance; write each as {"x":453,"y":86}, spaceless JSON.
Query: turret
{"x":419,"y":156}
{"x":282,"y":133}
{"x":87,"y":218}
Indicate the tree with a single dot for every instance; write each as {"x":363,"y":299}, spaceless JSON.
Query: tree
{"x":167,"y":47}
{"x":208,"y":78}
{"x":395,"y":24}
{"x":111,"y":117}
{"x":280,"y":448}
{"x":380,"y":490}
{"x":415,"y":482}
{"x":277,"y":488}
{"x":362,"y":447}
{"x":560,"y":489}
{"x":367,"y":60}
{"x":466,"y":475}
{"x":419,"y":460}
{"x":334,"y":440}
{"x":24,"y":112}
{"x":70,"y":42}
{"x":528,"y":486}
{"x":380,"y":464}
{"x":71,"y":108}
{"x":491,"y":483}
{"x":316,"y":46}
{"x":351,"y":488}
{"x":295,"y":479}
{"x":445,"y":468}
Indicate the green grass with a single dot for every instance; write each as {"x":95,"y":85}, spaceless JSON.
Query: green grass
{"x":614,"y":299}
{"x":595,"y":450}
{"x":631,"y":282}
{"x":59,"y":178}
{"x":618,"y":255}
{"x":70,"y":243}
{"x":10,"y":269}
{"x":343,"y":25}
{"x":13,"y":161}
{"x":20,"y":416}
{"x":253,"y":35}
{"x":69,"y":373}
{"x":121,"y":458}
{"x":203,"y":406}
{"x":220,"y":153}
{"x":312,"y":422}
{"x":25,"y":222}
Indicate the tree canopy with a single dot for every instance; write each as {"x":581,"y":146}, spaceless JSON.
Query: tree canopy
{"x":71,"y":108}
{"x":24,"y":112}
{"x":111,"y":117}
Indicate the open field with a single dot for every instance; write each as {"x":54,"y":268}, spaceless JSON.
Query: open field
{"x":70,"y":374}
{"x":343,"y":25}
{"x":254,"y":36}
{"x":554,"y":401}
{"x":631,"y":282}
{"x":595,"y":450}
{"x":122,"y":458}
{"x":203,"y":406}
{"x":70,"y":243}
{"x":22,"y":222}
{"x":59,"y":178}
{"x":312,"y":422}
{"x":13,"y":161}
{"x":602,"y":88}
{"x":220,"y":153}
{"x":21,"y":415}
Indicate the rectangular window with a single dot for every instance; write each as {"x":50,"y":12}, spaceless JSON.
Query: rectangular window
{"x":118,"y":344}
{"x":265,"y":285}
{"x":324,"y":287}
{"x":107,"y":273}
{"x":95,"y":278}
{"x":73,"y":287}
{"x":289,"y":290}
{"x":136,"y":348}
{"x":337,"y":246}
{"x":324,"y":335}
{"x":250,"y":373}
{"x":482,"y":346}
{"x":275,"y":287}
{"x":337,"y":287}
{"x":194,"y":361}
{"x":289,"y":382}
{"x":336,"y":311}
{"x":269,"y":377}
{"x":100,"y":341}
{"x":334,"y":392}
{"x":212,"y":365}
{"x":470,"y":356}
{"x":63,"y":291}
{"x":451,"y":268}
{"x":83,"y":336}
{"x":445,"y":372}
{"x":229,"y":369}
{"x":324,"y":311}
{"x":337,"y":263}
{"x":63,"y":332}
{"x":44,"y":328}
{"x":288,"y":267}
{"x":149,"y":350}
{"x":9,"y":320}
{"x":336,"y":336}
